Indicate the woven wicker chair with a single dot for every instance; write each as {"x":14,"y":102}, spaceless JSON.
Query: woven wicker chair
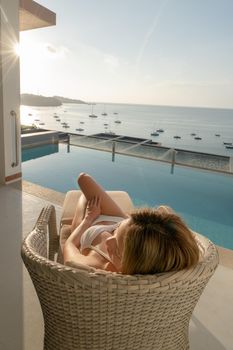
{"x":97,"y":310}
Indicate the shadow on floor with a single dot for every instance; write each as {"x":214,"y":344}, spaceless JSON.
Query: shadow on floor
{"x":202,"y":339}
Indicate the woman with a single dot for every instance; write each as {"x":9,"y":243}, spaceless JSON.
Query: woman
{"x":146,"y":241}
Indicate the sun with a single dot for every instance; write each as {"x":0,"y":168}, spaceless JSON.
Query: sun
{"x":17,"y":49}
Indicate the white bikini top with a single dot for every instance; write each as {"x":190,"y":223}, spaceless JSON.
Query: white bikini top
{"x":92,"y":232}
{"x":107,"y":218}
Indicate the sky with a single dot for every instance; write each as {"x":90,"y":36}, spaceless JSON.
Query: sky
{"x":159,"y":52}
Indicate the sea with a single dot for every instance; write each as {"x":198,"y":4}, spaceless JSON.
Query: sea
{"x":213,"y":126}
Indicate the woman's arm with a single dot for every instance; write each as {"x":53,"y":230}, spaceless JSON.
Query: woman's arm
{"x":72,"y":244}
{"x":71,"y":251}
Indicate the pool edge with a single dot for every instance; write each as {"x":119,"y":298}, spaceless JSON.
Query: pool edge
{"x":43,"y":192}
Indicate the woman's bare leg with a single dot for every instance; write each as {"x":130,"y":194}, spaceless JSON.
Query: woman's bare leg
{"x":90,"y":189}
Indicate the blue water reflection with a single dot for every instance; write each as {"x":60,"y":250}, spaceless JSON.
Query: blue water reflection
{"x":38,"y":152}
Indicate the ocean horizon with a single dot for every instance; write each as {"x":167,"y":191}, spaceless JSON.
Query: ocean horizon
{"x":213,"y":126}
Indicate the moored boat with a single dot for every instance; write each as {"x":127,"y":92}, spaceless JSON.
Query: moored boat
{"x":104,"y":112}
{"x":92,"y":115}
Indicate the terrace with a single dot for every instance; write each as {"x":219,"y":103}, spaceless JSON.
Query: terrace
{"x":20,"y":203}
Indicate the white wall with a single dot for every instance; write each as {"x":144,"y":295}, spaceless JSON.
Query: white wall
{"x":11,"y":298}
{"x":9,"y":91}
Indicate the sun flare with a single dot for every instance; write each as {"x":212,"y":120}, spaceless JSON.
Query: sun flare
{"x":17,"y":49}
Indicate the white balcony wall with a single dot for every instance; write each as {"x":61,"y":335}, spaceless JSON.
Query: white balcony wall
{"x":10,"y":147}
{"x":11,"y":298}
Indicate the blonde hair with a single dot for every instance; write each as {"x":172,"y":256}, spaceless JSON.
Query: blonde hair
{"x":157,"y":240}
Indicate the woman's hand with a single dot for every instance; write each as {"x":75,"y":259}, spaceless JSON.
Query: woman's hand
{"x":92,"y":209}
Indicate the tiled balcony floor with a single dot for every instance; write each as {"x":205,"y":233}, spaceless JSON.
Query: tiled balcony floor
{"x":21,"y":323}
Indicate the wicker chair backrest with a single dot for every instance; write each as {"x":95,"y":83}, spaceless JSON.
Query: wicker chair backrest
{"x":103,"y":310}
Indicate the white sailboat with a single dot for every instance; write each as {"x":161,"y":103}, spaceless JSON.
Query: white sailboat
{"x":104,"y":112}
{"x":92,"y":115}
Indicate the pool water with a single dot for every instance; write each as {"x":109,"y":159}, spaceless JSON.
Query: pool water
{"x":203,"y":199}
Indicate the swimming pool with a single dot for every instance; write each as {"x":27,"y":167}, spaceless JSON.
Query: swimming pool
{"x":204,"y":199}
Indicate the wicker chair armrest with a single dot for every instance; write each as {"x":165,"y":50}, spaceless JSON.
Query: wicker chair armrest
{"x":46,"y":223}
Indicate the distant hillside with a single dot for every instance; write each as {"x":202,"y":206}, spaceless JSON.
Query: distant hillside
{"x":68,"y":100}
{"x":36,"y":100}
{"x":42,"y":101}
